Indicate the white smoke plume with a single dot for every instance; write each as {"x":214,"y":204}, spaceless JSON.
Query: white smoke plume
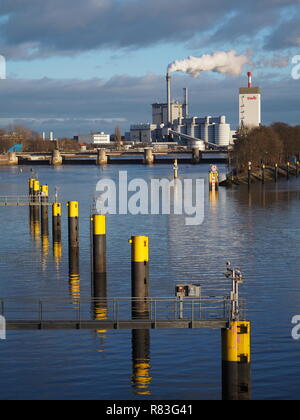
{"x":220,"y":62}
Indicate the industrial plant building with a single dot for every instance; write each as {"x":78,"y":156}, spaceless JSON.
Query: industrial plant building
{"x":171,"y":120}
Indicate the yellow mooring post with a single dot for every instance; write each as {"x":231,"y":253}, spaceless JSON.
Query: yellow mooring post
{"x":36,"y":201}
{"x":213,"y":178}
{"x":73,"y":235}
{"x":99,"y":245}
{"x":30,"y":199}
{"x":56,"y":223}
{"x":140,"y":309}
{"x":140,"y":276}
{"x":44,"y":210}
{"x":236,"y":361}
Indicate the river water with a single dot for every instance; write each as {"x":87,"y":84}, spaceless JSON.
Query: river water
{"x":258,"y":231}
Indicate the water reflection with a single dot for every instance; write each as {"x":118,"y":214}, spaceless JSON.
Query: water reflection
{"x":45,"y":252}
{"x":57,"y":254}
{"x":141,"y":367}
{"x":100,"y":308}
{"x":74,"y":275}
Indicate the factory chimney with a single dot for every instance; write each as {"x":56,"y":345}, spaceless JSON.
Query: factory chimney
{"x":169,"y":99}
{"x":249,"y":80}
{"x":186,"y":103}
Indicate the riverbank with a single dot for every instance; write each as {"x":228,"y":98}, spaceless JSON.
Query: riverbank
{"x":261,"y":175}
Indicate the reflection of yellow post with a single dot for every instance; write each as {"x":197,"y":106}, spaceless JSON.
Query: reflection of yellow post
{"x":175,"y":169}
{"x":141,"y":377}
{"x":99,"y":294}
{"x":213,"y":197}
{"x":236,"y":361}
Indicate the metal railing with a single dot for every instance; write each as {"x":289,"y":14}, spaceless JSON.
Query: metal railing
{"x":117,"y":309}
{"x":22,"y":200}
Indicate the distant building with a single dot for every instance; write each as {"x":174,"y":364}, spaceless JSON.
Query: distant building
{"x":250,"y":105}
{"x":160,"y":113}
{"x":143,"y":133}
{"x":214,"y":130}
{"x":93,"y":138}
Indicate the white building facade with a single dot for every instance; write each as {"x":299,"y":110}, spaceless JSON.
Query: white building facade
{"x":93,"y":138}
{"x":250,"y":107}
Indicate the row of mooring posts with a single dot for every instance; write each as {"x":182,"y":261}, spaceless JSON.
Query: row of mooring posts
{"x":275,"y":169}
{"x":236,"y":346}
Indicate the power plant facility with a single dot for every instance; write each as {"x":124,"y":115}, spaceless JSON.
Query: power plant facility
{"x":171,"y":120}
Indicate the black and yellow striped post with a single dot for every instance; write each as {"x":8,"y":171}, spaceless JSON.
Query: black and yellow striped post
{"x":297,"y":168}
{"x":30,"y":200}
{"x":140,"y":276}
{"x":73,"y":236}
{"x":263,"y":170}
{"x":99,"y":244}
{"x":249,"y":173}
{"x":99,"y":281}
{"x":36,"y":208}
{"x":73,"y":239}
{"x":141,"y":376}
{"x":276,"y":172}
{"x":56,"y":222}
{"x":213,"y":180}
{"x":236,"y":361}
{"x":44,"y":210}
{"x":30,"y":188}
{"x":288,"y":166}
{"x":56,"y":231}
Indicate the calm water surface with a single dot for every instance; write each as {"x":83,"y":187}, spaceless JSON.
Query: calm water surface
{"x":259,"y":232}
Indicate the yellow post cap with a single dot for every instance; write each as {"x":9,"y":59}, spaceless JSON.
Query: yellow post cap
{"x":73,"y":208}
{"x":57,"y":209}
{"x":45,"y":190}
{"x":236,"y":342}
{"x":99,"y":224}
{"x":36,"y":185}
{"x":140,"y":248}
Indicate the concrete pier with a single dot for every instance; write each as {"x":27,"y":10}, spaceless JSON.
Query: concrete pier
{"x":196,"y":155}
{"x":56,"y":158}
{"x":102,"y":158}
{"x":148,"y":156}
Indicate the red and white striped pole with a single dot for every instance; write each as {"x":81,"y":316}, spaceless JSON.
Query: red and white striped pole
{"x":250,"y":80}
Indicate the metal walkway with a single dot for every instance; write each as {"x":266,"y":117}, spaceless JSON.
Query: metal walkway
{"x":115,"y":313}
{"x":20,"y":200}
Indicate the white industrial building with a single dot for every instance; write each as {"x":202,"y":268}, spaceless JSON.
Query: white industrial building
{"x":93,"y":138}
{"x":250,"y":105}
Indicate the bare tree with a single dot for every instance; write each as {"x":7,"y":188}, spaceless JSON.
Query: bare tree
{"x":118,"y":139}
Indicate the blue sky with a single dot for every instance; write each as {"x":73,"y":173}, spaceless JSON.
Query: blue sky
{"x":75,"y":65}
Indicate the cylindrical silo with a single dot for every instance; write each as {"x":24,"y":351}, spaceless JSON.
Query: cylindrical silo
{"x":223,"y":133}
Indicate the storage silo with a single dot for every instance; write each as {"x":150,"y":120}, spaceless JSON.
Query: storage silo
{"x":223,"y":132}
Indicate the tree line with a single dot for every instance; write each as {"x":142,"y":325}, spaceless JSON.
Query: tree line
{"x":32,"y":141}
{"x":266,"y":144}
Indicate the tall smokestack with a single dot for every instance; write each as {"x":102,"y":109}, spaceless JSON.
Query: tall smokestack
{"x":250,"y":80}
{"x":169,"y":99}
{"x":186,"y":103}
